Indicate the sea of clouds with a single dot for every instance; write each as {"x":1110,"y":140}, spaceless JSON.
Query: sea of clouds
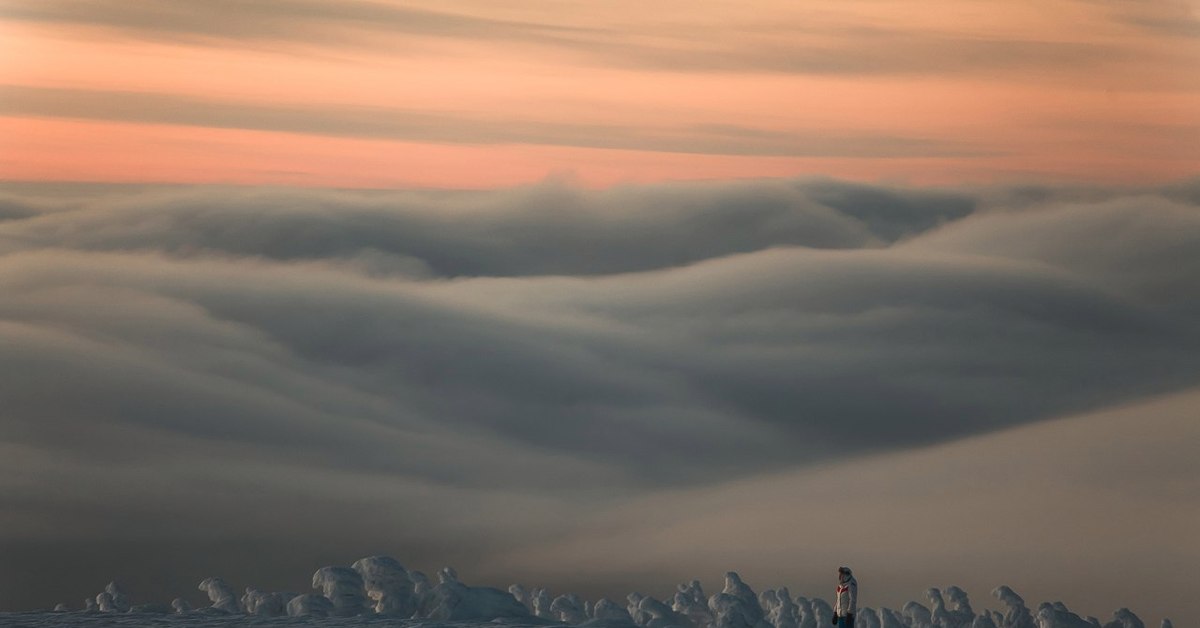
{"x":236,"y":372}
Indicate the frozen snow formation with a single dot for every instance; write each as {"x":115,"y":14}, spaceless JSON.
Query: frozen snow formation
{"x":105,"y":601}
{"x":264,"y":604}
{"x":343,"y":587}
{"x":221,"y":595}
{"x":805,"y":607}
{"x":691,"y":602}
{"x":985,"y":620}
{"x":541,"y":604}
{"x":521,"y":594}
{"x":1124,"y":618}
{"x":955,"y":614}
{"x":889,"y":618}
{"x":918,"y":616}
{"x":120,"y":601}
{"x":387,"y":584}
{"x":111,"y":600}
{"x":1017,"y":615}
{"x":310,"y":605}
{"x":959,"y":602}
{"x":736,"y":606}
{"x":569,"y":609}
{"x":452,"y":600}
{"x":1057,"y":615}
{"x":649,"y":612}
{"x":422,"y":589}
{"x":380,"y":586}
{"x":823,"y":612}
{"x":608,"y":610}
{"x":781,"y":611}
{"x":867,"y":618}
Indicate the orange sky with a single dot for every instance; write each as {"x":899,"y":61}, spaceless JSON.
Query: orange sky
{"x":473,"y":93}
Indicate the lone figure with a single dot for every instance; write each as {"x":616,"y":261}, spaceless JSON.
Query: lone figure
{"x":847,"y":599}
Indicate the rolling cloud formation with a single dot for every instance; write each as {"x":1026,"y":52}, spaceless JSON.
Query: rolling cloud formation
{"x":194,"y":367}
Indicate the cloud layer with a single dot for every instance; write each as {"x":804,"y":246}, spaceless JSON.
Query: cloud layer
{"x":386,"y":123}
{"x":816,"y":40}
{"x":220,"y":369}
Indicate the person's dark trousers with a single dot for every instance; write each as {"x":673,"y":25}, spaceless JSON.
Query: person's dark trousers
{"x":845,"y":621}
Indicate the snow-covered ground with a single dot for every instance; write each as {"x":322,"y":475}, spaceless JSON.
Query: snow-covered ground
{"x":379,"y":591}
{"x":208,"y":620}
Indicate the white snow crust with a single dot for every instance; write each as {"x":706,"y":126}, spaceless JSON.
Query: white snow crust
{"x":379,"y":590}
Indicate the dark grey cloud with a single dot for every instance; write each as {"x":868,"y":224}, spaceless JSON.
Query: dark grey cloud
{"x":308,"y":21}
{"x":431,"y":370}
{"x":1184,"y":192}
{"x":11,"y":209}
{"x":539,"y":230}
{"x":1169,"y":18}
{"x":424,"y":126}
{"x":858,"y":50}
{"x":1181,"y":26}
{"x":797,"y":46}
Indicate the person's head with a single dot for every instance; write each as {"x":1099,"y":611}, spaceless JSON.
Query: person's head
{"x":843,"y":574}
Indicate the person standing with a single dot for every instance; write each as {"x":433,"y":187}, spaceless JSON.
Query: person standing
{"x":847,"y":599}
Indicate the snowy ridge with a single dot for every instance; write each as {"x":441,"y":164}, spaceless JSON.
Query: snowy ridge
{"x":378,"y":590}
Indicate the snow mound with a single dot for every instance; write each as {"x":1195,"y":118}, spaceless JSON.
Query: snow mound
{"x":388,"y":585}
{"x":264,"y":604}
{"x":452,"y":600}
{"x":310,"y":605}
{"x":221,"y":595}
{"x":344,"y":588}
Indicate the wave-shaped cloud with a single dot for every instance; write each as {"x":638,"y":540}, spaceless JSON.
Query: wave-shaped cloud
{"x":540,"y":230}
{"x":441,"y":348}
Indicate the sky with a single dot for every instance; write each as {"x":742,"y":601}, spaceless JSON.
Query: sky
{"x":479,"y":94}
{"x":602,"y":297}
